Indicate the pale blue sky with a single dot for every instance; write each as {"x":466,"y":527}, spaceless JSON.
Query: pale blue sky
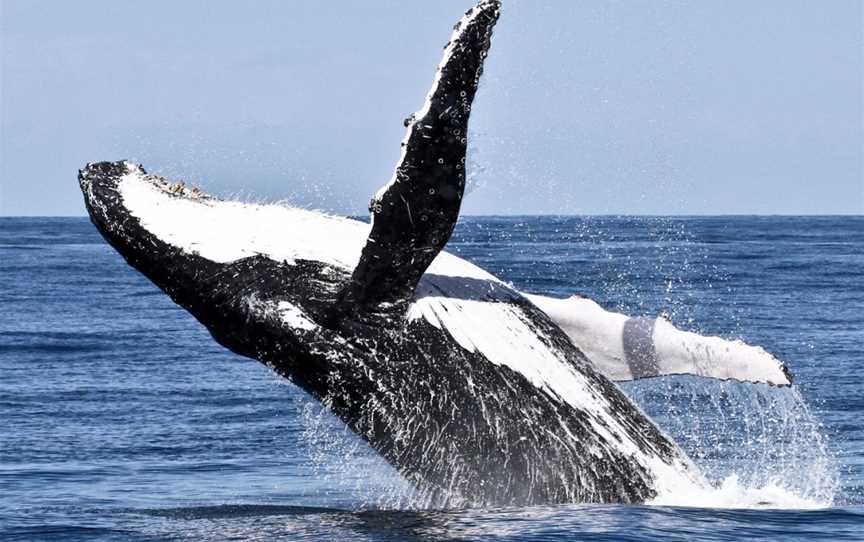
{"x":702,"y":107}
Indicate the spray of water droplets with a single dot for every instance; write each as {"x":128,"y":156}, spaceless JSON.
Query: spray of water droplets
{"x":349,"y":466}
{"x":758,"y":445}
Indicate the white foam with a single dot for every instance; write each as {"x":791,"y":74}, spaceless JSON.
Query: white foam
{"x":731,"y":493}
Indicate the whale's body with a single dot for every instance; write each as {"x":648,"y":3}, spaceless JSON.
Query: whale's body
{"x":475,"y":395}
{"x":458,"y":380}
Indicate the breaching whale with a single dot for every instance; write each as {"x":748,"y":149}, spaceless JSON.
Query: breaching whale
{"x":463,"y":384}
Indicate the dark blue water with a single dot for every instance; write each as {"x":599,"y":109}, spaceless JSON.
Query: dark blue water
{"x":121,"y":419}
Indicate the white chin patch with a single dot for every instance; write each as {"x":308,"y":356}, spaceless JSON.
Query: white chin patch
{"x":226,"y":231}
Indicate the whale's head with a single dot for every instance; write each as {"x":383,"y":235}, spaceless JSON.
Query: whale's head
{"x":259,"y":277}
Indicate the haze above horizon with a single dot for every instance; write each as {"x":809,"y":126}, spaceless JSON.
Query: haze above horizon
{"x":597,"y":108}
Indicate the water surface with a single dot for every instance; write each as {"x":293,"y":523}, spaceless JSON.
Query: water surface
{"x":120,"y":418}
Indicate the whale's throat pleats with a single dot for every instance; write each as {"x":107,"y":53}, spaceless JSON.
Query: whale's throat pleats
{"x":414,"y":214}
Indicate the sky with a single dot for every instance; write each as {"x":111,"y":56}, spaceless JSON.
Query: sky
{"x":588,"y":107}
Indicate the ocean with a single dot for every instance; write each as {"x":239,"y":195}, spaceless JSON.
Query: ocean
{"x":121,"y":419}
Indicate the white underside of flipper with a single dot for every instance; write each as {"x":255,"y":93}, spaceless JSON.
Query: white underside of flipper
{"x":601,"y":335}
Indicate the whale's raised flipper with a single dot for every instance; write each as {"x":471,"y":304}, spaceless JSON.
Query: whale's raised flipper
{"x":414,"y":214}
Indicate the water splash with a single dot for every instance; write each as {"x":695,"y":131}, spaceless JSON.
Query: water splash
{"x":759,"y":446}
{"x":349,"y":466}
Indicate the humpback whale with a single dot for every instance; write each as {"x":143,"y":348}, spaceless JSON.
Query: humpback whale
{"x":466,"y":386}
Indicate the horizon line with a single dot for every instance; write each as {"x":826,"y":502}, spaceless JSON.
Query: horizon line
{"x":568,"y":215}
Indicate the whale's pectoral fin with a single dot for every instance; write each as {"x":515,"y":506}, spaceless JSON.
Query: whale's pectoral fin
{"x":625,"y":348}
{"x":414,"y":214}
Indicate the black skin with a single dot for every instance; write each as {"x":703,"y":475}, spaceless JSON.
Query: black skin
{"x":403,"y":385}
{"x":415,"y":217}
